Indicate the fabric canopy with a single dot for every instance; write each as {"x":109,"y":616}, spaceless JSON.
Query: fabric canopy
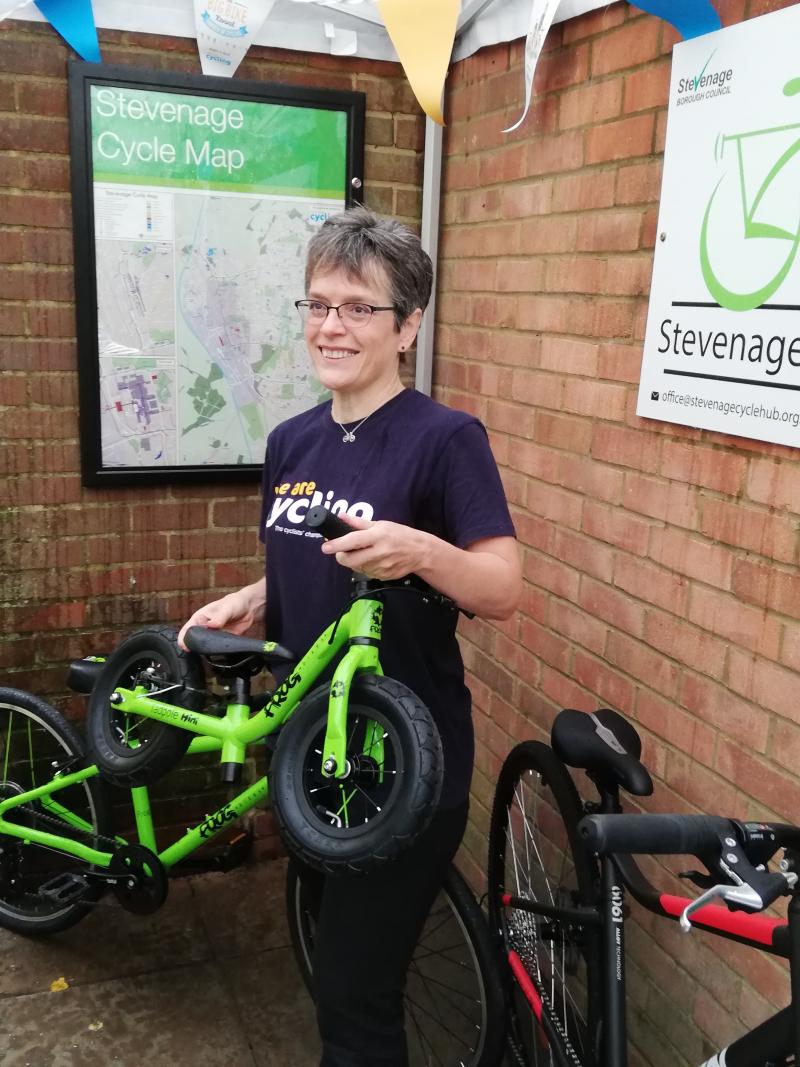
{"x":305,"y":25}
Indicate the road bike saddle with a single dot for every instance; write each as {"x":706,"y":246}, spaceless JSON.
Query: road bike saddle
{"x":605,"y":745}
{"x":222,"y":643}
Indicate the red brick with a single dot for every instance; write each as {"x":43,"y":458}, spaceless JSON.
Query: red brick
{"x":608,"y":685}
{"x":585,"y":554}
{"x":617,"y":608}
{"x":624,"y":139}
{"x":628,"y":448}
{"x":652,"y":584}
{"x":576,"y":274}
{"x":684,"y":643}
{"x":555,"y":504}
{"x":546,"y":647}
{"x":757,"y":778}
{"x":686,"y":555}
{"x":764,"y":584}
{"x":604,"y":400}
{"x":563,"y":431}
{"x":650,"y":496}
{"x":712,"y":468}
{"x":629,"y":275}
{"x":717,"y":706}
{"x":583,"y":192}
{"x":593,"y":22}
{"x":647,"y":88}
{"x":559,"y":69}
{"x":616,"y":527}
{"x":552,"y":575}
{"x":538,"y":389}
{"x":639,"y":183}
{"x":625,"y":47}
{"x":590,"y":104}
{"x":642,"y":663}
{"x":774,"y":484}
{"x":523,"y":199}
{"x":553,"y":155}
{"x":764,"y":683}
{"x":756,"y":530}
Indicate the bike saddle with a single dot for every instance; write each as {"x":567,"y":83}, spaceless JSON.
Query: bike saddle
{"x":605,"y":745}
{"x":214,"y":643}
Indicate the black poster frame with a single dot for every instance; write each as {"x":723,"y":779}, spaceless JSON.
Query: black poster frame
{"x":82,"y":76}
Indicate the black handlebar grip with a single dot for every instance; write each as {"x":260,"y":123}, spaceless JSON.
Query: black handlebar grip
{"x":324,"y":522}
{"x":695,"y":835}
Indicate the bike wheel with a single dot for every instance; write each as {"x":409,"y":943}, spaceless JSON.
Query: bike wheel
{"x":390,"y":791}
{"x":535,"y":854}
{"x":133,"y":750}
{"x":35,"y":740}
{"x":453,"y":1001}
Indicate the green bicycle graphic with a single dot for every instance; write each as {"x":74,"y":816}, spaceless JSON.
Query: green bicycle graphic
{"x":753,"y":228}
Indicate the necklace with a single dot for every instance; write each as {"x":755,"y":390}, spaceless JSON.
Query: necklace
{"x":350,"y":435}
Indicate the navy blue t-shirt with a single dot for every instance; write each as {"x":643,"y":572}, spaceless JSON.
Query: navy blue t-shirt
{"x":415,"y":462}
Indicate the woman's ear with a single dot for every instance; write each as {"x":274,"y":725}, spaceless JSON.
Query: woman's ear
{"x":409,"y":330}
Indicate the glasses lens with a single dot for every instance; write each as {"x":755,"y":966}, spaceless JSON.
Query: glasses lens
{"x":355,"y":315}
{"x":311,"y":310}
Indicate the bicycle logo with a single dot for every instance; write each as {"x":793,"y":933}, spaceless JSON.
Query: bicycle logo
{"x":752,"y":226}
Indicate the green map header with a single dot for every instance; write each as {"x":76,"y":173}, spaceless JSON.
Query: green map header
{"x":158,"y":138}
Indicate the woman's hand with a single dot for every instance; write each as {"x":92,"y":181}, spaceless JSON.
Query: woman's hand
{"x":485,"y":578}
{"x":235,"y":612}
{"x":383,"y":550}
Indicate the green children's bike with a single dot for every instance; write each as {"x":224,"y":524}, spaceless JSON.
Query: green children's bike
{"x":354,"y":769}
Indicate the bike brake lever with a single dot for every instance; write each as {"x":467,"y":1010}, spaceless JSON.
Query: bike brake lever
{"x":742,"y":895}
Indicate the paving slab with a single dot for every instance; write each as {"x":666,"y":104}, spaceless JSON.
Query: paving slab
{"x":208,"y":980}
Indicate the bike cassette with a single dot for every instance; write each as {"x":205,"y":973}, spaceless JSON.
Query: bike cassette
{"x":140,"y":881}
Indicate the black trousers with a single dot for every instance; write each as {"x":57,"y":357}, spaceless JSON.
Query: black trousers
{"x":368,"y":927}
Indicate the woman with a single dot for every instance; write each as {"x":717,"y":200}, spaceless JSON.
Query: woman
{"x":418,"y":484}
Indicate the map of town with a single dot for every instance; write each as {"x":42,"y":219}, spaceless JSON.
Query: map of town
{"x":201,"y":349}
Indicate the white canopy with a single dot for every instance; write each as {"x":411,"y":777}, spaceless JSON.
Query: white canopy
{"x":301,"y":24}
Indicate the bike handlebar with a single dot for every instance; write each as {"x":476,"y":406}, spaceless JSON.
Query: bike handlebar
{"x":322,"y":521}
{"x":696,"y":835}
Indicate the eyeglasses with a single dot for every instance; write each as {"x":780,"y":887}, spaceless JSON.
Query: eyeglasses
{"x":353,"y":315}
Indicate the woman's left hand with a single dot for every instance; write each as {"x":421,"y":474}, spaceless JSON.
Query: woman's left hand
{"x":383,"y":550}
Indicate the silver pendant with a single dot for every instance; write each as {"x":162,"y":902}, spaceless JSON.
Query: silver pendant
{"x":348,"y":437}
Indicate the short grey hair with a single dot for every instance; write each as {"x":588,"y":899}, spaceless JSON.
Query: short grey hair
{"x":358,"y":240}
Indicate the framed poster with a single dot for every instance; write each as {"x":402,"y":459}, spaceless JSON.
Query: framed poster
{"x":722,"y":345}
{"x":193,"y":201}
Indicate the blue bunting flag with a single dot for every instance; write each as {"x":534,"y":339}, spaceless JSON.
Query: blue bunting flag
{"x":74,"y":20}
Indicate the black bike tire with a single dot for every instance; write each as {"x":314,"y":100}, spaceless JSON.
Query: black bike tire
{"x":129,"y":767}
{"x":413,"y":802}
{"x":539,"y":759}
{"x":98,"y":801}
{"x":489,"y":1052}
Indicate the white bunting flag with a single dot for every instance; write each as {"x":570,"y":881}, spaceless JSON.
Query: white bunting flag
{"x":542,"y":13}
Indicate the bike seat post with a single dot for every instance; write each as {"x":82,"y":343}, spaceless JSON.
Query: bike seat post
{"x":238,"y":712}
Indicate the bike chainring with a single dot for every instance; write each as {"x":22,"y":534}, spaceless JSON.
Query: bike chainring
{"x":141,"y":882}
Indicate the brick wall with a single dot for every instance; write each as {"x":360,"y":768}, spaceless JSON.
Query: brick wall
{"x":660,"y":561}
{"x":79,"y":568}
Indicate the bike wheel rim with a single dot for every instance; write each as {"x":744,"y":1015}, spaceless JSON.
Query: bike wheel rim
{"x":38,"y":863}
{"x":538,"y":866}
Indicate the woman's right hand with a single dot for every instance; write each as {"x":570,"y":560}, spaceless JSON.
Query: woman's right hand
{"x":235,"y":612}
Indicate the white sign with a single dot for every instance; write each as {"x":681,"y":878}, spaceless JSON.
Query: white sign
{"x":722,"y":346}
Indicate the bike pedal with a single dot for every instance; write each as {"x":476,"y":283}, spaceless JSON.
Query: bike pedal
{"x":65,"y":888}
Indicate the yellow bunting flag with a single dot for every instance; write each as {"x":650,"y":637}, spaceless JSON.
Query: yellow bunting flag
{"x":423,"y":32}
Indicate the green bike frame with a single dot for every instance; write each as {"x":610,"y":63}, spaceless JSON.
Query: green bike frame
{"x":359,"y":628}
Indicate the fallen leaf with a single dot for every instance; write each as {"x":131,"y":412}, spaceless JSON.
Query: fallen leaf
{"x":58,"y":985}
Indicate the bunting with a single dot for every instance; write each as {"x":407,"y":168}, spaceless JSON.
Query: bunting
{"x":225,"y":32}
{"x":74,"y":20}
{"x":423,"y":34}
{"x":691,"y":18}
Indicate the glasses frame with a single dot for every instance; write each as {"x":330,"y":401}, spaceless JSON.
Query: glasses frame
{"x":304,"y":311}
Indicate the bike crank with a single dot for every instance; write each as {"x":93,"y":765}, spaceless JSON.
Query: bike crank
{"x":139,"y":879}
